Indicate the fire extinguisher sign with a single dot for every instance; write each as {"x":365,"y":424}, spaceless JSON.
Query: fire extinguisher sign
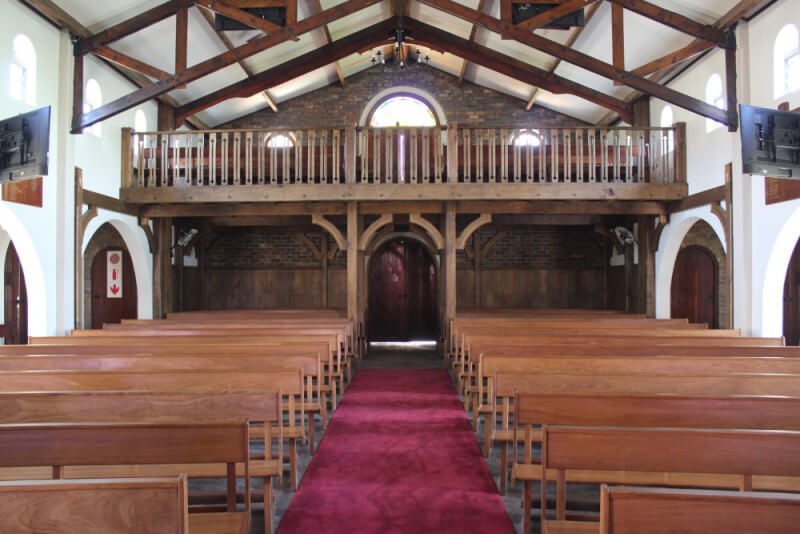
{"x":114,"y":274}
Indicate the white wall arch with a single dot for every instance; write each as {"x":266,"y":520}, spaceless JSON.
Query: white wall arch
{"x":668,"y":247}
{"x":775,"y":276}
{"x":136,"y":242}
{"x":31,"y":268}
{"x":399,"y":89}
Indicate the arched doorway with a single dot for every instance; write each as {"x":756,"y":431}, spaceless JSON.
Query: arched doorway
{"x":112,"y":302}
{"x":791,"y":300}
{"x":402,"y":292}
{"x":16,"y":300}
{"x":694,"y":286}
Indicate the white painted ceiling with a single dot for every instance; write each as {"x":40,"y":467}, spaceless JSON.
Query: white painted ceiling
{"x":645,"y":41}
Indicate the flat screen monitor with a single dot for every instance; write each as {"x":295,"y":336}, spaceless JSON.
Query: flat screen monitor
{"x":770,"y":142}
{"x":24,"y":145}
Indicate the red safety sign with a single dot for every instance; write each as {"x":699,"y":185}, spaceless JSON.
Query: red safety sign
{"x":114,"y":274}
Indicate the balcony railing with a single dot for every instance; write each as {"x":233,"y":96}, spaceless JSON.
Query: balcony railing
{"x":451,"y":155}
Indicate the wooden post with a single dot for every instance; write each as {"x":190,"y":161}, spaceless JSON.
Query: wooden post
{"x":323,"y":257}
{"x":606,"y":260}
{"x":452,"y":154}
{"x":77,"y":93}
{"x":647,"y":279}
{"x":730,"y":82}
{"x":179,"y":278}
{"x":680,"y":153}
{"x":729,"y":238}
{"x":78,"y":248}
{"x":476,"y":244}
{"x":127,"y":159}
{"x":449,"y":264}
{"x":162,"y":267}
{"x":181,"y":40}
{"x":350,"y":155}
{"x":352,"y":262}
{"x":618,"y":37}
{"x":628,"y":278}
{"x":166,"y":117}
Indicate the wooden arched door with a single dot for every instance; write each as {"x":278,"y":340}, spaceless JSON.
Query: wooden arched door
{"x":791,"y":300}
{"x":16,"y":300}
{"x":108,"y":305}
{"x":694,"y":287}
{"x":402,"y":292}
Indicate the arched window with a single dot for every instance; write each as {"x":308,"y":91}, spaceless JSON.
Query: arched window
{"x":527,"y":138}
{"x":280,"y":141}
{"x":714,"y":97}
{"x":93,"y":99}
{"x":22,"y":72}
{"x":786,"y":57}
{"x":402,"y":110}
{"x":667,"y":121}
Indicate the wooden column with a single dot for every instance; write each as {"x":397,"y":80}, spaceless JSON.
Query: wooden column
{"x":628,"y":278}
{"x":352,"y":262}
{"x":179,"y":278}
{"x":647,"y":260}
{"x":618,"y":38}
{"x":680,"y":153}
{"x":78,"y":248}
{"x":323,"y":258}
{"x":361,"y":292}
{"x":162,"y":268}
{"x":166,"y":117}
{"x":729,"y":238}
{"x":606,"y":260}
{"x":452,"y":153}
{"x":476,"y":245}
{"x":449,"y":264}
{"x":181,"y":40}
{"x":730,"y":82}
{"x":77,"y":93}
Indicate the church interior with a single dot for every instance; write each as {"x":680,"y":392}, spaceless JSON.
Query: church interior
{"x":400,"y":266}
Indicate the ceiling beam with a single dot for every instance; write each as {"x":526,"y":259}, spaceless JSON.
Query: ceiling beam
{"x":618,"y":37}
{"x":676,"y":21}
{"x":584,"y":61}
{"x":218,"y":62}
{"x":293,"y":68}
{"x":697,"y":46}
{"x":209,"y":18}
{"x":472,"y":33}
{"x":316,"y":7}
{"x":587,"y":18}
{"x":726,"y":22}
{"x":509,"y":66}
{"x":132,"y":25}
{"x":131,"y":63}
{"x":59,"y":18}
{"x":551,"y":15}
{"x":240,"y":15}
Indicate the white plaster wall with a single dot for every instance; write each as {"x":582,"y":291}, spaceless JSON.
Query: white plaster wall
{"x":44,"y":236}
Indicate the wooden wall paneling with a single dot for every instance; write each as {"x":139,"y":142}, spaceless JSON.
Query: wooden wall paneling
{"x":323,"y":279}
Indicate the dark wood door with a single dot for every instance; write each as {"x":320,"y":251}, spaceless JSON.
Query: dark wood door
{"x":694,"y":287}
{"x":402,"y":293}
{"x":791,"y":300}
{"x":16,"y":300}
{"x":112,"y":310}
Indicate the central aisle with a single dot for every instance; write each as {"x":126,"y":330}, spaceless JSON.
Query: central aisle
{"x":398,"y":456}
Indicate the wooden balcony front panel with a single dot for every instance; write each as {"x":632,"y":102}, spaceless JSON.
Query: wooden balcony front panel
{"x":463,"y":162}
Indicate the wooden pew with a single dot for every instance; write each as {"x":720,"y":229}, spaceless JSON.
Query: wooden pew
{"x":169,"y":447}
{"x":646,"y":410}
{"x":325,"y":347}
{"x":289,"y":382}
{"x":151,"y":406}
{"x":742,"y":453}
{"x":102,"y":506}
{"x":633,"y":510}
{"x":310,"y":366}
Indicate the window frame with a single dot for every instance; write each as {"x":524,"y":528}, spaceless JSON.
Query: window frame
{"x":400,"y":94}
{"x":21,"y":45}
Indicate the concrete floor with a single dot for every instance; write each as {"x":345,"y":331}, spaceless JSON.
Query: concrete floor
{"x":405,"y":356}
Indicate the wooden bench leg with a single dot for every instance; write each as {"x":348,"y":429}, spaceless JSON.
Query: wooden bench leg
{"x":323,"y":406}
{"x":268,"y":506}
{"x":526,"y":507}
{"x":487,"y":434}
{"x":503,"y":466}
{"x":333,"y":393}
{"x":311,"y":434}
{"x":231,"y":493}
{"x":293,"y":464}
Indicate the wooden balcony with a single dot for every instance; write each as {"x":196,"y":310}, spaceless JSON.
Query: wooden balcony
{"x":373,"y":164}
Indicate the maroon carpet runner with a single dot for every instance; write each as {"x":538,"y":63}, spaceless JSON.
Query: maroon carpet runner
{"x":398,"y":456}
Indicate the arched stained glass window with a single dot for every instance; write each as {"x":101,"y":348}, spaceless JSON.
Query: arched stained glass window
{"x":280,"y":141}
{"x":527,"y":138}
{"x":402,"y":111}
{"x":22,"y":71}
{"x":93,"y":99}
{"x":715,"y":97}
{"x":786,"y":65}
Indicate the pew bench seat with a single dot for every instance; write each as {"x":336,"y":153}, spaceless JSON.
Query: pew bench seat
{"x":227,"y":522}
{"x":570,"y":527}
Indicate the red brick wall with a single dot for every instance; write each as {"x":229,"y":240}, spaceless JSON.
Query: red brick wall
{"x":336,"y":106}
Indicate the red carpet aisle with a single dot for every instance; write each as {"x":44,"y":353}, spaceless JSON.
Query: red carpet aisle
{"x":398,"y":456}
